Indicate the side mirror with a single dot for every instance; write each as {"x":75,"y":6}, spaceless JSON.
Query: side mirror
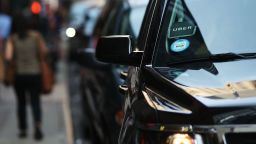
{"x":117,"y":50}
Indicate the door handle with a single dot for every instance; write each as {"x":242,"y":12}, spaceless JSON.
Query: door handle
{"x":123,"y":89}
{"x":123,"y":75}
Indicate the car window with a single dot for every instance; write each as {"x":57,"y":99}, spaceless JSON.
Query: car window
{"x":110,"y":27}
{"x":132,"y":21}
{"x":77,"y":14}
{"x":192,"y":30}
{"x":136,"y":17}
{"x":91,"y":18}
{"x":145,"y":24}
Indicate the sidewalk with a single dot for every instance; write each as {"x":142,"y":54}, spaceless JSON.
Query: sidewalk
{"x":56,"y":118}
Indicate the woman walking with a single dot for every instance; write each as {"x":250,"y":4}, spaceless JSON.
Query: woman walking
{"x":24,"y":49}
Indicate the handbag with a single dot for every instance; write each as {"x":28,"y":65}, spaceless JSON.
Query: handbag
{"x":2,"y":69}
{"x":47,"y":76}
{"x":9,"y":71}
{"x":9,"y":74}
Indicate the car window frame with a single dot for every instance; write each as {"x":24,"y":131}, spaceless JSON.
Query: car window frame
{"x":145,"y":25}
{"x":157,"y":11}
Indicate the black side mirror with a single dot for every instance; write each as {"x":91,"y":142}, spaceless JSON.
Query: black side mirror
{"x":117,"y":50}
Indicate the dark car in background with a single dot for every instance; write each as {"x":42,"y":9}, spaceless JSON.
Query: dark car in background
{"x":99,"y":81}
{"x":191,"y":78}
{"x":83,"y":16}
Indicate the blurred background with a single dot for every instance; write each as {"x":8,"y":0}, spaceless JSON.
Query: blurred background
{"x":84,"y":106}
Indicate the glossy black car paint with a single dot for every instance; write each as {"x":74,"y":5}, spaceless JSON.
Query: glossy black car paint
{"x":102,"y":101}
{"x":226,"y":122}
{"x":98,"y":86}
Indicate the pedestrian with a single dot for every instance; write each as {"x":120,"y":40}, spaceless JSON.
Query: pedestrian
{"x":24,"y":48}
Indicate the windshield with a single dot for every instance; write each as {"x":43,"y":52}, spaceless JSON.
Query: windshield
{"x":199,"y":28}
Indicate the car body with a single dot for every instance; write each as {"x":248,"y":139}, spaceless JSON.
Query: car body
{"x":191,"y":77}
{"x":99,"y":81}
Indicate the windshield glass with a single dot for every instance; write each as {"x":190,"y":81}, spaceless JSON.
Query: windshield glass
{"x":194,"y":29}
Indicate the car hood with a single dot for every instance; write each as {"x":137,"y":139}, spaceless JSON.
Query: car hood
{"x":222,"y":84}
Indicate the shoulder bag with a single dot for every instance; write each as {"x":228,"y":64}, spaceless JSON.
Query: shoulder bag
{"x":46,"y":72}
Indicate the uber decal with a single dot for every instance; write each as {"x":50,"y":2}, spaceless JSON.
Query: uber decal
{"x":180,"y":45}
{"x":181,"y":29}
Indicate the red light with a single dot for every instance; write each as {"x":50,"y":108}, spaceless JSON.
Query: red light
{"x":36,"y":8}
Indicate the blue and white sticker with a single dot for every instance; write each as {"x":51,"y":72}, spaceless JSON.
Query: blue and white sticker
{"x":180,"y":45}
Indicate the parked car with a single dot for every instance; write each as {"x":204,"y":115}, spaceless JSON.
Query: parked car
{"x":82,"y":20}
{"x":191,"y":78}
{"x":99,"y":81}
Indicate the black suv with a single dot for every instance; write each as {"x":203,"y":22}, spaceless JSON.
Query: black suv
{"x":191,"y":79}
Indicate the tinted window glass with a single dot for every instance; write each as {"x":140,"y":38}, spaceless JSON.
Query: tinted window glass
{"x":132,"y":21}
{"x":198,"y":28}
{"x":111,"y":26}
{"x":226,"y":26}
{"x":136,"y":17}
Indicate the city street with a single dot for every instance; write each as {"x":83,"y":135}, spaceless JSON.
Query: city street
{"x":56,"y":120}
{"x":127,"y":72}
